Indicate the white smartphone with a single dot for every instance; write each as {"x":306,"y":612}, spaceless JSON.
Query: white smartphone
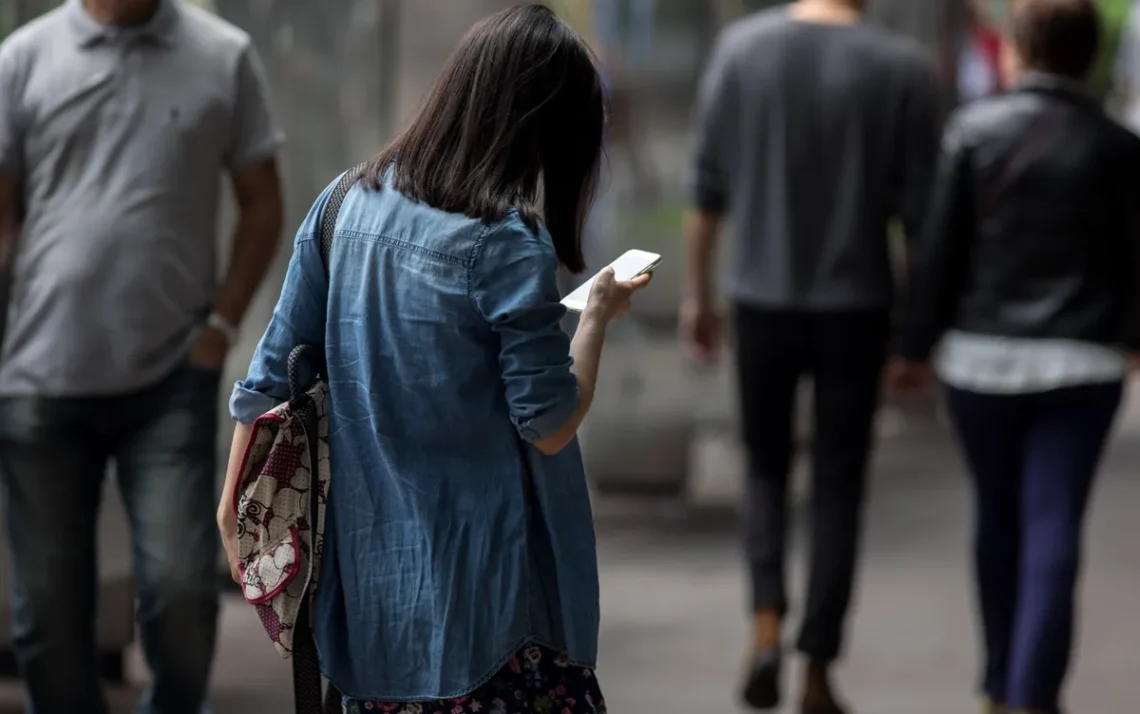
{"x":630,"y":265}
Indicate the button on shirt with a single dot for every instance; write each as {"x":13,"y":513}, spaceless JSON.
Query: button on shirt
{"x":120,"y":137}
{"x":451,"y":541}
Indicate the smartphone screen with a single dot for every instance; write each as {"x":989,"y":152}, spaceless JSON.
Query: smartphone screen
{"x":627,"y":267}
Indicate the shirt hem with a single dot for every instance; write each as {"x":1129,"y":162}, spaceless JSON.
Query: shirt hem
{"x":150,"y":380}
{"x":464,"y":691}
{"x":967,"y":385}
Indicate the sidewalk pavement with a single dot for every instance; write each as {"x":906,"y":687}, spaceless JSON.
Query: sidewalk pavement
{"x":674,"y":628}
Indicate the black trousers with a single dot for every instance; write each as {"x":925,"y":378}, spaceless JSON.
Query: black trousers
{"x":844,"y":354}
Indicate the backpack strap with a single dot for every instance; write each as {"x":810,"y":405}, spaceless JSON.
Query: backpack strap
{"x":307,"y":694}
{"x":307,"y":362}
{"x":332,"y":211}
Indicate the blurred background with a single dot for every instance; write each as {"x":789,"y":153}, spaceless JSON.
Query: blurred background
{"x":660,"y":444}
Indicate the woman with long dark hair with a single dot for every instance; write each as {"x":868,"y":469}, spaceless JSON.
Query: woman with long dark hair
{"x":1027,"y":278}
{"x":459,"y":571}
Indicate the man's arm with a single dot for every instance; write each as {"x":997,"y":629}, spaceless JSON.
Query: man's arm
{"x":716,"y":135}
{"x":715,"y":139}
{"x":11,"y":216}
{"x":258,"y":192}
{"x":251,"y":157}
{"x":702,"y":228}
{"x":11,"y":154}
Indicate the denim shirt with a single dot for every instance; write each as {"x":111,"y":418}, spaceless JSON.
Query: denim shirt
{"x":450,"y":541}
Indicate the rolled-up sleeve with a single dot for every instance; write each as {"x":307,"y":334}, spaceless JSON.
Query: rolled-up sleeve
{"x":255,"y":135}
{"x":715,"y":134}
{"x":514,"y":287}
{"x":298,"y":319}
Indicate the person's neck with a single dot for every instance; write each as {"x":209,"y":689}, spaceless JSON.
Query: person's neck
{"x":834,"y":12}
{"x":116,"y":12}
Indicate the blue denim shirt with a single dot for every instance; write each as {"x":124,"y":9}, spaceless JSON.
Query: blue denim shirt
{"x":451,"y":541}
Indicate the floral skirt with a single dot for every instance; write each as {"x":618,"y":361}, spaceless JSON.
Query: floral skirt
{"x":536,"y":680}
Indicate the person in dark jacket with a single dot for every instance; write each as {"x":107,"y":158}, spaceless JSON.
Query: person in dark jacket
{"x":1026,"y":279}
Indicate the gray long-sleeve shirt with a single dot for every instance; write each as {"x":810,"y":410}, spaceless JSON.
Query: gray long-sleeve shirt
{"x":811,"y":137}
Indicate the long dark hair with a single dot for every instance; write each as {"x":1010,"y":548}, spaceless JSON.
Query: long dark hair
{"x":516,"y":117}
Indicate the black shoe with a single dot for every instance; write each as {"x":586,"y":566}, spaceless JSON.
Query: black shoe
{"x":762,"y":686}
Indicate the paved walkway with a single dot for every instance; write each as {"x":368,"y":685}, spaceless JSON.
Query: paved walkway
{"x":674,"y":629}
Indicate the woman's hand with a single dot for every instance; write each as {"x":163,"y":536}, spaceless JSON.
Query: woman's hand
{"x":227,"y":515}
{"x":227,"y":526}
{"x":907,"y":377}
{"x":610,"y":299}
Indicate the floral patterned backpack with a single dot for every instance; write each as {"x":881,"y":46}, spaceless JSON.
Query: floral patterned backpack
{"x":280,"y":502}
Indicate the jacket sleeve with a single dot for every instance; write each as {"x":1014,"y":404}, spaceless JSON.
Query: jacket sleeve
{"x":942,"y":254}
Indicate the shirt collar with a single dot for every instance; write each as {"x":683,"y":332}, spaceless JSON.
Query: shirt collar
{"x":89,"y":31}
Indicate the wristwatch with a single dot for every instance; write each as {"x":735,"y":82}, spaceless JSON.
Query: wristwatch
{"x":228,"y":329}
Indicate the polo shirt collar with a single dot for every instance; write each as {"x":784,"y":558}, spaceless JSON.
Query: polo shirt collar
{"x":89,"y":31}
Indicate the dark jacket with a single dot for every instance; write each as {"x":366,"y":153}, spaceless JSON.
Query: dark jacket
{"x":1034,"y":225}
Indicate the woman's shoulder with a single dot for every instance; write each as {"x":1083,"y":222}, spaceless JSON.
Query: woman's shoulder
{"x":514,"y":251}
{"x":518,"y":229}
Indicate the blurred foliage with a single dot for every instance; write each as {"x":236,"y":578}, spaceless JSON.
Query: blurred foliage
{"x":651,"y":225}
{"x":1115,"y":16}
{"x":13,"y":13}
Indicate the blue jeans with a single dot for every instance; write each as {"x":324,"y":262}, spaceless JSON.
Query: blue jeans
{"x":1034,"y":458}
{"x":53,"y":457}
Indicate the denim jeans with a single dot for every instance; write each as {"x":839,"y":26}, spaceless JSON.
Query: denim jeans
{"x":53,"y":457}
{"x":1034,"y":459}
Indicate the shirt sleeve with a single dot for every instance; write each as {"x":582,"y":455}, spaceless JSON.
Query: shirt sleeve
{"x":298,"y":319}
{"x":11,"y":132}
{"x":254,"y":133}
{"x":716,"y":114}
{"x":514,"y":287}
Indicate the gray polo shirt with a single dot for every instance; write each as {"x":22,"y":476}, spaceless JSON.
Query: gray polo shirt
{"x":811,"y":137}
{"x":120,"y":137}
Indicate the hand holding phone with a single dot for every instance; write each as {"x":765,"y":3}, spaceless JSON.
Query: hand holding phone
{"x":625,"y":271}
{"x":610,"y":298}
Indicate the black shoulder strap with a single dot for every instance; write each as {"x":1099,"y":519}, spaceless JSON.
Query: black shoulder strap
{"x":332,"y":211}
{"x":307,"y":696}
{"x":1043,"y":128}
